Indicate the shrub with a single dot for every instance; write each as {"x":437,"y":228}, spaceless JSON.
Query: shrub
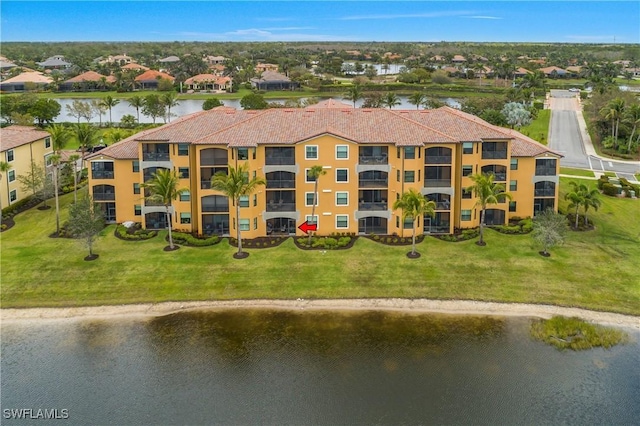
{"x":134,"y":233}
{"x":609,"y":189}
{"x":469,"y":234}
{"x":602,"y":180}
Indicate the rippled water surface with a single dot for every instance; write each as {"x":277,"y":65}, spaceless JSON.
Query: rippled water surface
{"x":301,"y":368}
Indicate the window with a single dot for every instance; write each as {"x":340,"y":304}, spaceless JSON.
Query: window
{"x":185,"y":217}
{"x":397,"y":175}
{"x":513,"y":185}
{"x":244,"y":201}
{"x":465,"y":215}
{"x":466,"y":194}
{"x":137,"y":210}
{"x":545,"y":167}
{"x":185,"y":196}
{"x":47,"y":160}
{"x":342,"y":221}
{"x":494,"y":150}
{"x":312,"y":220}
{"x":13,"y":195}
{"x":255,"y":223}
{"x":136,"y":188}
{"x":309,"y":199}
{"x":136,"y":166}
{"x":514,"y":164}
{"x":408,"y":223}
{"x":409,"y":176}
{"x":10,"y":156}
{"x":183,"y":149}
{"x":47,"y":142}
{"x":311,"y":152}
{"x":512,"y":206}
{"x":243,"y":153}
{"x":102,"y":170}
{"x":253,"y":154}
{"x":342,"y":175}
{"x":342,"y":198}
{"x":308,"y":177}
{"x":11,"y":175}
{"x":342,"y":152}
{"x":244,"y":224}
{"x":397,"y":221}
{"x":183,"y":172}
{"x":409,"y":152}
{"x":255,"y":200}
{"x":467,"y":147}
{"x":467,"y":170}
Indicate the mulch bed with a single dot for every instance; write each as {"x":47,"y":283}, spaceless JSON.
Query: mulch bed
{"x":259,"y":243}
{"x":169,"y":248}
{"x":392,"y":240}
{"x":8,"y":223}
{"x":305,"y":247}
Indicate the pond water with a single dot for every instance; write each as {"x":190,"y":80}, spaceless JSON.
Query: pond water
{"x":312,"y":368}
{"x":189,"y":106}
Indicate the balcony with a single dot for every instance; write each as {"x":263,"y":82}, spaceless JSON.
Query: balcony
{"x":155,"y":156}
{"x":104,"y":196}
{"x":102,"y":174}
{"x":437,"y":183}
{"x":444,"y":205}
{"x":281,"y":206}
{"x":490,"y":155}
{"x":280,"y":183}
{"x":374,"y":159}
{"x":545,"y":171}
{"x":278,"y":160}
{"x":545,"y":192}
{"x":373,"y":205}
{"x":438,"y":159}
{"x":373,"y":183}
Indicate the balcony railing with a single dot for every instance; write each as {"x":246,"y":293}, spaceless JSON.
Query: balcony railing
{"x":280,"y":161}
{"x":438,"y":159}
{"x":545,"y":171}
{"x":281,"y":206}
{"x":545,"y":192}
{"x":494,"y":154}
{"x":437,"y":229}
{"x":215,"y":208}
{"x":280,"y":183}
{"x":104,"y":196}
{"x":444,"y":205}
{"x":372,"y":205}
{"x":102,"y":174}
{"x":437,"y":182}
{"x":373,"y":183}
{"x":155,"y":156}
{"x":500,"y":177}
{"x":374,"y":159}
{"x":149,"y":203}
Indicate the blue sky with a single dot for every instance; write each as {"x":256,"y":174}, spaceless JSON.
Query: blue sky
{"x":426,"y":21}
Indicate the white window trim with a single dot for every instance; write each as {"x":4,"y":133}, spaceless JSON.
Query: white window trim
{"x":11,"y":173}
{"x":307,"y":218}
{"x":241,"y":223}
{"x":15,"y":193}
{"x":339,"y":181}
{"x":347,"y":157}
{"x":317,"y":152}
{"x":306,"y":176}
{"x":341,"y":216}
{"x":342,"y":192}
{"x":306,"y":199}
{"x":242,"y":198}
{"x":47,"y":141}
{"x":13,"y":154}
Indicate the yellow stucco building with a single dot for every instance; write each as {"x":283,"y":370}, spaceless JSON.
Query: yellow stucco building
{"x":371,"y":156}
{"x":19,"y":146}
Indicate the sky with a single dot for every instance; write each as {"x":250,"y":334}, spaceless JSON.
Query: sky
{"x":401,"y":21}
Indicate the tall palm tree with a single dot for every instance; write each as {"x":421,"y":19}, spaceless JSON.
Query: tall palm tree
{"x":4,"y":168}
{"x":59,"y":136}
{"x":109,"y":102}
{"x":137,"y":102}
{"x":354,"y":94}
{"x":487,"y":192}
{"x":614,"y":111}
{"x":391,"y":100}
{"x":591,"y":199}
{"x":73,"y":159}
{"x":417,"y":99}
{"x":315,"y":172}
{"x":163,"y":188}
{"x":169,"y":99}
{"x":414,"y":205}
{"x":55,"y":164}
{"x":632,"y":117}
{"x":576,"y":197}
{"x":87,"y":135}
{"x":235,"y":185}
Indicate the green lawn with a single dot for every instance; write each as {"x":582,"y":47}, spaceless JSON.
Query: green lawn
{"x":576,"y":172}
{"x":539,"y":128}
{"x":596,"y":270}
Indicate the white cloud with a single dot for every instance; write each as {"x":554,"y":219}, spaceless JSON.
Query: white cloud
{"x":405,"y":16}
{"x":481,"y":17}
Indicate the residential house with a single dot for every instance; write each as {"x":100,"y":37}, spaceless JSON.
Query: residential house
{"x":149,"y":79}
{"x":214,"y":60}
{"x":134,"y":67}
{"x":260,"y":68}
{"x":554,"y":71}
{"x":87,"y":82}
{"x":371,"y":157}
{"x":19,"y":146}
{"x":25,"y":81}
{"x":458,"y":59}
{"x":121,"y":60}
{"x":208,"y":82}
{"x":270,"y":80}
{"x":55,"y":62}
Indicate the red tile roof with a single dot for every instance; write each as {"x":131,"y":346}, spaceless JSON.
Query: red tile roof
{"x":151,"y":75}
{"x":15,"y":136}
{"x":90,"y":76}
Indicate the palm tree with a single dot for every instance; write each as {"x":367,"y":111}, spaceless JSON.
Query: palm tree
{"x":109,"y":102}
{"x":59,"y":136}
{"x":169,"y":99}
{"x":86,"y":134}
{"x":614,"y":111}
{"x":632,"y":117}
{"x":354,"y":94}
{"x":137,"y":102}
{"x":576,"y":197}
{"x":591,"y":199}
{"x":314,"y":173}
{"x":235,"y":185}
{"x":417,"y":99}
{"x":487,"y":192}
{"x":414,"y":205}
{"x":391,"y":100}
{"x":73,"y":159}
{"x":163,"y":188}
{"x":4,"y":168}
{"x":55,"y":163}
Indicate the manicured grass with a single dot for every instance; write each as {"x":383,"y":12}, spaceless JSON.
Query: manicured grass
{"x":596,"y":270}
{"x":576,"y":172}
{"x":576,"y":334}
{"x":539,"y":128}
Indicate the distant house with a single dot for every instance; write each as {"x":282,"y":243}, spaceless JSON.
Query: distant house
{"x":437,"y":58}
{"x":214,"y":60}
{"x":208,"y":82}
{"x":87,"y":82}
{"x":117,"y":59}
{"x":273,"y":81}
{"x":21,"y":82}
{"x":149,"y":79}
{"x":169,"y":60}
{"x":521,"y":72}
{"x":5,"y":64}
{"x":458,"y":59}
{"x":574,"y":71}
{"x":55,"y":63}
{"x":554,"y":72}
{"x":134,"y":67}
{"x":260,"y":68}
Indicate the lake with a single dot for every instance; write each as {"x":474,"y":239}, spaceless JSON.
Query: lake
{"x":272,"y":367}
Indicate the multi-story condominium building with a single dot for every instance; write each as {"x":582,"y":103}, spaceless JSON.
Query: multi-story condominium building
{"x":19,"y":146}
{"x":371,"y":156}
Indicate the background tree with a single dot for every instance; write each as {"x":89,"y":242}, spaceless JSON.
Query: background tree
{"x":86,"y":220}
{"x":211,"y":103}
{"x":153,"y":107}
{"x":413,"y":205}
{"x":109,"y":102}
{"x":99,"y":108}
{"x":487,"y":192}
{"x":632,"y":118}
{"x":235,"y":185}
{"x":34,"y":181}
{"x":163,"y":188}
{"x":353,"y":94}
{"x":390,"y":100}
{"x":549,"y":229}
{"x":516,"y":115}
{"x":417,"y":99}
{"x":73,"y":161}
{"x":591,"y":199}
{"x":59,"y":136}
{"x":253,"y":101}
{"x":170,"y":100}
{"x":78,"y":109}
{"x":576,"y":197}
{"x":55,"y":171}
{"x":45,"y":111}
{"x":4,"y":168}
{"x":314,"y":173}
{"x":137,"y":102}
{"x":86,"y":135}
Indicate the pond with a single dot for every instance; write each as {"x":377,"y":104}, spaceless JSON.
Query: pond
{"x":276,"y":367}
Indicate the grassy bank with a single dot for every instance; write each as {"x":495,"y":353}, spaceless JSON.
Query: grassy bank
{"x":596,"y":270}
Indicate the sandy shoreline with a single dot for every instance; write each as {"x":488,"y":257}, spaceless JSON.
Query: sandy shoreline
{"x":461,"y":307}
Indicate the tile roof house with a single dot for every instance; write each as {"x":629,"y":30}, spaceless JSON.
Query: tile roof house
{"x":260,"y":67}
{"x":21,"y":82}
{"x":87,"y":81}
{"x":55,"y":62}
{"x":208,"y":82}
{"x":270,"y":80}
{"x":134,"y":67}
{"x":149,"y":79}
{"x":554,"y":71}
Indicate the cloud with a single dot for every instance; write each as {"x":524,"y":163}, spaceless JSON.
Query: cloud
{"x":257,"y":34}
{"x":481,"y":17}
{"x":288,"y":28}
{"x":406,"y":15}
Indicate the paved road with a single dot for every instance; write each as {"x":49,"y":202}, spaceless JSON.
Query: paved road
{"x":568,"y":136}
